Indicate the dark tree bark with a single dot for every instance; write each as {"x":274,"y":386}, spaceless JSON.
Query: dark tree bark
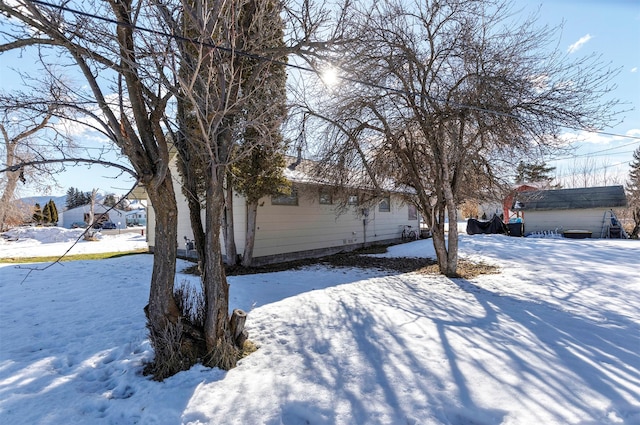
{"x":250,"y":239}
{"x":231,"y":252}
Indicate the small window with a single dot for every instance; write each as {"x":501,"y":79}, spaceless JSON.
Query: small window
{"x":353,"y":200}
{"x":385,"y":205}
{"x":286,"y":199}
{"x":326,"y":198}
{"x":413,"y":212}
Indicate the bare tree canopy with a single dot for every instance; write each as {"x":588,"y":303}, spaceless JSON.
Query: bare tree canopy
{"x":633,"y":193}
{"x":125,"y":97}
{"x":29,"y":132}
{"x":455,"y":96}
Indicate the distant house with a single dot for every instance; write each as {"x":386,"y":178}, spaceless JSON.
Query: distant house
{"x":587,"y":209}
{"x":306,"y":223}
{"x":101,"y":213}
{"x":137,"y":217}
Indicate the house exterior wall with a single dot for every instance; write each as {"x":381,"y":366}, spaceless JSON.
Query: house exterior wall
{"x":590,"y":219}
{"x":309,"y":229}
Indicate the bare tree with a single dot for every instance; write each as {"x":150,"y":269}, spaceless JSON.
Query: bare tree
{"x":587,"y":172}
{"x":445,"y":97}
{"x":230,"y":102}
{"x":217,"y":76}
{"x":633,"y":193}
{"x":101,"y":42}
{"x":29,"y":132}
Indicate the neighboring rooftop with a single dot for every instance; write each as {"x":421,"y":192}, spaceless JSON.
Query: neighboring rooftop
{"x":568,"y":199}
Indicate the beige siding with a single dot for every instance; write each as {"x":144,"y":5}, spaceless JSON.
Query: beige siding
{"x":312,"y":226}
{"x":184,"y":224}
{"x":578,"y":219}
{"x":308,"y":226}
{"x":151,"y":224}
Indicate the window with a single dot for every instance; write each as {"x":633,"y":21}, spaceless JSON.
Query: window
{"x":413,"y":212}
{"x":286,"y":199}
{"x":385,"y":205}
{"x":353,"y":200}
{"x":326,"y":198}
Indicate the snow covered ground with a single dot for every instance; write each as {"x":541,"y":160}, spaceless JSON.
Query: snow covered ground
{"x":49,"y":241}
{"x":553,"y":339}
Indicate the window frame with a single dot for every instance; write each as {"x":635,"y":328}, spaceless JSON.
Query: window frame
{"x":286,"y":200}
{"x":325,"y":198}
{"x":412,"y":212}
{"x":385,"y":204}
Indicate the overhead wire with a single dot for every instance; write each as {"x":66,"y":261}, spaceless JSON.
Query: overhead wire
{"x":298,"y":67}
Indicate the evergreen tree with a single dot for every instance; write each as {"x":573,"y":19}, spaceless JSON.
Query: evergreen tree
{"x":76,"y":198}
{"x":633,"y":192}
{"x":46,"y":213}
{"x":260,"y":172}
{"x":81,"y":199}
{"x":37,"y":213}
{"x":53,"y":211}
{"x":70,"y":199}
{"x":110,"y":200}
{"x":534,"y":173}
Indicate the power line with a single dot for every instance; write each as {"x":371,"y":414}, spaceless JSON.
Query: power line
{"x":298,"y":67}
{"x":596,"y":152}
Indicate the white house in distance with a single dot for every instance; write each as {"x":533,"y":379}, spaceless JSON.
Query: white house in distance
{"x":587,"y":210}
{"x":136,"y":217}
{"x":81,"y":214}
{"x":307,"y":223}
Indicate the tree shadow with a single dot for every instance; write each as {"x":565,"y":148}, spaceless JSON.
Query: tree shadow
{"x":405,"y":349}
{"x":564,"y":366}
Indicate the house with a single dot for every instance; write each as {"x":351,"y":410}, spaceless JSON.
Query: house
{"x":136,"y":217}
{"x":306,"y":223}
{"x":585,"y":209}
{"x":101,"y":213}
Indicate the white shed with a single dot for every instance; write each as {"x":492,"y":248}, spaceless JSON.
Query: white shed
{"x":586,"y":209}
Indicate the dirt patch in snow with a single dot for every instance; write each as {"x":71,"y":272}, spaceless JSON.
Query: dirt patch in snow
{"x":360,"y":259}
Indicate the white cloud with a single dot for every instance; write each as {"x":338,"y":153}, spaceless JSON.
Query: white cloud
{"x":582,"y":137}
{"x":634,"y":132}
{"x":578,"y":44}
{"x":634,"y":69}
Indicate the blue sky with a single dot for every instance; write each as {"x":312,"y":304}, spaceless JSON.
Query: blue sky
{"x":610,"y":28}
{"x":607,"y":27}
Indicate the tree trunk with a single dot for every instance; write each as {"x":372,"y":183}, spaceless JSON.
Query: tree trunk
{"x":439,"y":240}
{"x":195,"y":218}
{"x":188,"y":166}
{"x":250,"y":238}
{"x":162,"y":308}
{"x":229,"y":228}
{"x":451,"y":269}
{"x":7,"y":196}
{"x":190,"y":184}
{"x":220,"y":345}
{"x":238,"y":319}
{"x":636,"y":228}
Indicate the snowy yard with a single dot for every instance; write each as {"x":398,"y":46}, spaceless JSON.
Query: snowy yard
{"x":553,"y":339}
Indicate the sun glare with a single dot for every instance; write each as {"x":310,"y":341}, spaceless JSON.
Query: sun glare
{"x":329,"y":77}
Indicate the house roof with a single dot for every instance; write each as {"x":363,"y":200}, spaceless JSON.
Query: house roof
{"x":569,"y":199}
{"x":300,"y":171}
